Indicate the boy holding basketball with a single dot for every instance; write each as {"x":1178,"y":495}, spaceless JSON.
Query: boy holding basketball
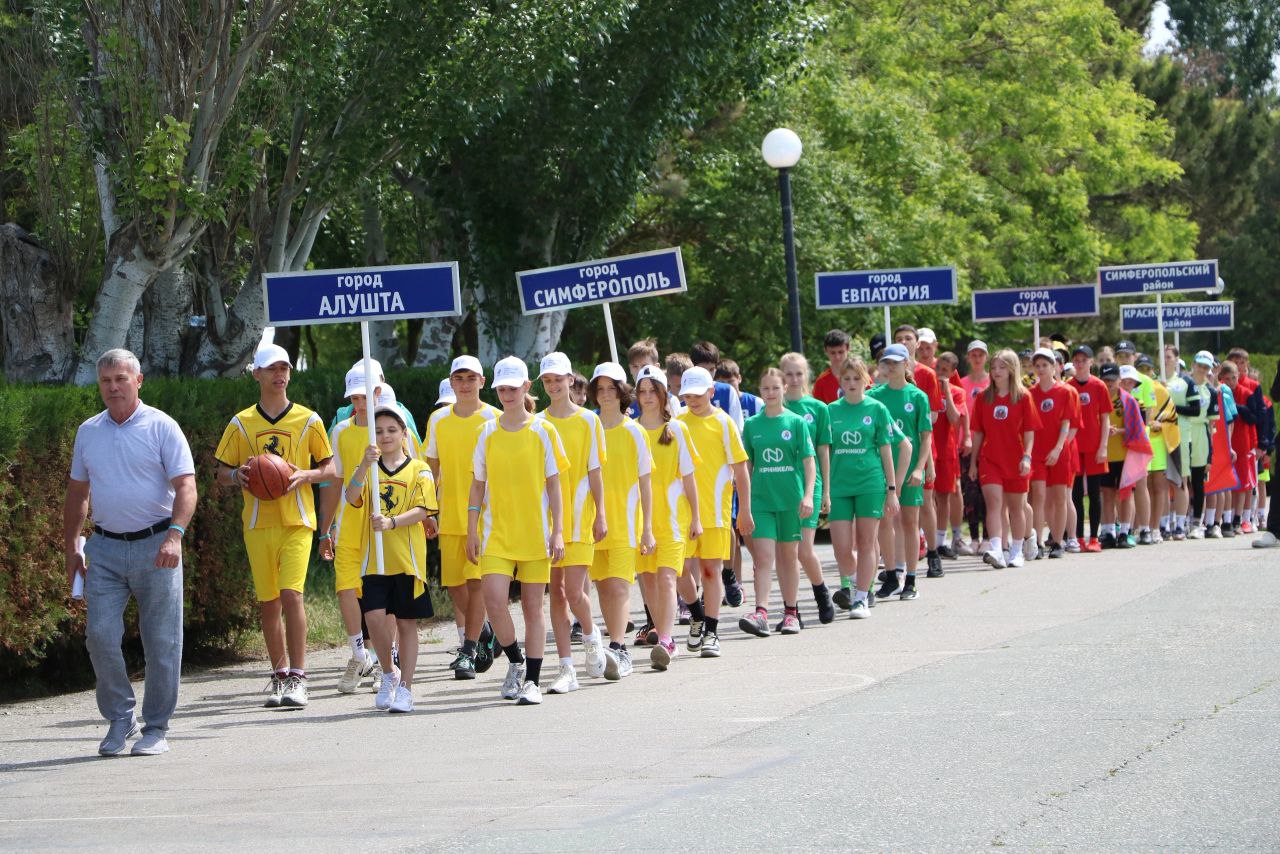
{"x":278,"y":530}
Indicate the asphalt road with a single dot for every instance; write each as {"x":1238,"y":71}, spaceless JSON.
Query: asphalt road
{"x":1121,"y":701}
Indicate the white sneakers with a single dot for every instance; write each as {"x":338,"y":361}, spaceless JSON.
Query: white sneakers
{"x":294,"y":693}
{"x":357,"y":671}
{"x":515,"y":678}
{"x":1266,"y":541}
{"x":403,"y":701}
{"x":566,"y":680}
{"x":529,"y":695}
{"x":611,"y":665}
{"x":994,"y":558}
{"x":386,"y":691}
{"x":597,"y":661}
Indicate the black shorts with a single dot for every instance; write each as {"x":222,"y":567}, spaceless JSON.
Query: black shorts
{"x":1111,"y":479}
{"x":394,"y":594}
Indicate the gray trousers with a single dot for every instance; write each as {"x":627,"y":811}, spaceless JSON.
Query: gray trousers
{"x":118,"y":570}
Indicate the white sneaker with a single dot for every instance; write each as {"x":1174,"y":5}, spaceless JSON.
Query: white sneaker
{"x":515,"y":677}
{"x":960,"y":547}
{"x":386,"y":691}
{"x":983,"y":547}
{"x":404,"y":699}
{"x":624,"y":663}
{"x":1196,"y":533}
{"x":859,"y":610}
{"x":1015,"y":560}
{"x":566,"y":680}
{"x":529,"y":694}
{"x":295,"y":693}
{"x":1214,"y":533}
{"x":1266,"y":541}
{"x":710,"y":645}
{"x":1073,"y":546}
{"x":357,"y":671}
{"x":994,"y":558}
{"x":275,"y":688}
{"x":611,"y":665}
{"x":1030,"y":546}
{"x":595,"y":656}
{"x":694,"y":641}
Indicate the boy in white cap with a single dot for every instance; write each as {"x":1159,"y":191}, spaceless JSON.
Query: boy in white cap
{"x":452,"y":432}
{"x":388,"y":395}
{"x":277,"y":534}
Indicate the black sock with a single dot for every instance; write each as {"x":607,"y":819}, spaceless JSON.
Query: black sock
{"x":712,"y":623}
{"x":533,"y":669}
{"x":513,"y":653}
{"x":469,"y":647}
{"x":696,"y":610}
{"x":911,"y":580}
{"x":931,"y":553}
{"x":614,"y":645}
{"x":819,"y":590}
{"x":648,"y":618}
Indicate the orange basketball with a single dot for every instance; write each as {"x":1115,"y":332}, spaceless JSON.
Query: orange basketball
{"x":268,"y":477}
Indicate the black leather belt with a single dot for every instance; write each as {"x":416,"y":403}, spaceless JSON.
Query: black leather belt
{"x":162,"y":525}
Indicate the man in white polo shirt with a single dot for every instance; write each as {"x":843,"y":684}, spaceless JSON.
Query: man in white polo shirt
{"x":134,"y":464}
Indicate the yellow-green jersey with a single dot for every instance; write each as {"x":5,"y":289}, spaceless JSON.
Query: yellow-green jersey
{"x":349,"y":441}
{"x":297,"y":436}
{"x":451,"y":440}
{"x":582,"y":437}
{"x":672,"y":462}
{"x":515,"y":517}
{"x":718,"y":447}
{"x":629,"y":459}
{"x":404,"y":548}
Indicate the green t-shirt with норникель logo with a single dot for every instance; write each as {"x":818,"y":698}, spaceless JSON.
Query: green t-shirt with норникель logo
{"x":909,"y":408}
{"x":777,"y":446}
{"x":858,"y":431}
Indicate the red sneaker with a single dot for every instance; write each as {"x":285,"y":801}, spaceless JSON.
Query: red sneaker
{"x":1246,"y":527}
{"x":923,"y":549}
{"x":1093,"y":545}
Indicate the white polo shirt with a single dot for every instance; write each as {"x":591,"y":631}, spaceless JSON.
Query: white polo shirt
{"x":130,"y":466}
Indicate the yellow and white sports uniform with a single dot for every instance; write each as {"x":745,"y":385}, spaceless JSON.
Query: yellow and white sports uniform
{"x":451,"y":440}
{"x":627,"y":447}
{"x":717,"y":446}
{"x":400,"y":490}
{"x":349,"y":441}
{"x":277,"y":534}
{"x":671,"y":512}
{"x":515,"y":518}
{"x":582,"y":436}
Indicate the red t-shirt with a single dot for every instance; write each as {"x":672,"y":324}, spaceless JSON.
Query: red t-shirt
{"x":827,"y":387}
{"x":1055,"y":406}
{"x":1244,"y":436}
{"x":1095,"y":401}
{"x":926,"y":380}
{"x":946,"y":438}
{"x":1002,"y":424}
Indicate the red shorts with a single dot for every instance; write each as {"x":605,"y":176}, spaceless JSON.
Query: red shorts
{"x":1246,"y":466}
{"x":989,"y":475}
{"x":1062,"y":473}
{"x":1088,"y":464}
{"x":946,"y":474}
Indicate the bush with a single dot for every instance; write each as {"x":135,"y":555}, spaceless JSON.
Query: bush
{"x":41,"y":627}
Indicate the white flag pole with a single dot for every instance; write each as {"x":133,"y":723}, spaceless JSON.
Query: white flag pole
{"x":608,"y":327}
{"x":370,"y":404}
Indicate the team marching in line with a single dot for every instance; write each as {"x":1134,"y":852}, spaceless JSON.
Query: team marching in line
{"x":665,"y":472}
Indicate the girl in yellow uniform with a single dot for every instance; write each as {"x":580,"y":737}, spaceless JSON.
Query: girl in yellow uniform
{"x":628,"y":500}
{"x":523,"y":523}
{"x":582,"y":498}
{"x":675,"y":508}
{"x":394,"y":593}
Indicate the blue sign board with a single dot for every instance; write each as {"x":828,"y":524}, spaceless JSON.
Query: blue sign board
{"x":1028,"y":303}
{"x":646,"y":274}
{"x":1179,"y":316}
{"x":364,"y":293}
{"x":1139,"y":279}
{"x":870,"y":288}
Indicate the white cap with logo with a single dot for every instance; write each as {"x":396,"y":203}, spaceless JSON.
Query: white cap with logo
{"x":356,"y":384}
{"x":555,"y":363}
{"x":925,"y":335}
{"x":466,"y":363}
{"x":1204,"y":357}
{"x":1129,"y":372}
{"x":510,"y":373}
{"x":612,"y":370}
{"x":373,"y":363}
{"x":652,"y":372}
{"x":446,"y":395}
{"x":1044,"y":353}
{"x":976,"y":344}
{"x":696,"y":381}
{"x":270,"y":355}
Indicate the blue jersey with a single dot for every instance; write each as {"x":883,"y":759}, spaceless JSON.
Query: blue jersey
{"x":751,"y":405}
{"x":726,"y":398}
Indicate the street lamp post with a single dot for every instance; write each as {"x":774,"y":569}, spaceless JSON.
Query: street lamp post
{"x":781,"y":150}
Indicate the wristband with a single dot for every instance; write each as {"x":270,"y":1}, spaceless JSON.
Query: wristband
{"x":891,"y":488}
{"x":1026,"y":456}
{"x":324,"y":536}
{"x":358,"y":484}
{"x":477,"y":509}
{"x":181,"y":530}
{"x":393,"y":523}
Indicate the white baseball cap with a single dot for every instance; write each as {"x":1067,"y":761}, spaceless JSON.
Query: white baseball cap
{"x":386,"y":394}
{"x":1044,"y":353}
{"x":446,"y":395}
{"x":1129,"y":372}
{"x":390,"y":409}
{"x":270,"y":355}
{"x":467,"y":363}
{"x":355,"y":383}
{"x":555,"y":363}
{"x":652,"y":372}
{"x":976,"y":344}
{"x":508,"y":373}
{"x":925,"y":335}
{"x":1204,"y":357}
{"x":373,"y":363}
{"x":612,"y":370}
{"x":696,"y":381}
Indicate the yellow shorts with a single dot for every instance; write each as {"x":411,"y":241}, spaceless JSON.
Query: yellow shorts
{"x":615,"y":563}
{"x":528,"y":571}
{"x":455,"y":569}
{"x":578,"y":554}
{"x":346,"y":570}
{"x":670,"y":555}
{"x":278,"y":559}
{"x":714,"y":544}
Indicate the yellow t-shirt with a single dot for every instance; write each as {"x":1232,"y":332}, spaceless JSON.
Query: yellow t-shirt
{"x":627,"y":446}
{"x":349,"y":441}
{"x":582,"y":436}
{"x":401,"y":489}
{"x":1165,"y":413}
{"x":451,"y":439}
{"x":1116,"y":450}
{"x":515,"y":518}
{"x":671,"y":463}
{"x":298,"y":436}
{"x":717,"y":446}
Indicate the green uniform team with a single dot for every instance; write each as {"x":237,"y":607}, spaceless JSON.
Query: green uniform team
{"x":777,"y":447}
{"x":818,"y":421}
{"x":909,"y":408}
{"x":858,"y":430}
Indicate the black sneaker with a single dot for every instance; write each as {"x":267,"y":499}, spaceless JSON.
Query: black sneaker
{"x":935,"y":565}
{"x":1108,"y":540}
{"x":844,"y":598}
{"x":466,"y":667}
{"x":631,"y":626}
{"x":575,"y":633}
{"x":908,"y":590}
{"x":1229,"y":531}
{"x":945,"y":551}
{"x":826,"y":611}
{"x":889,"y":587}
{"x":1123,"y":542}
{"x":1056,"y":551}
{"x":1144,"y":539}
{"x":883,"y":575}
{"x":485,"y":649}
{"x":732,"y":589}
{"x":871,"y":597}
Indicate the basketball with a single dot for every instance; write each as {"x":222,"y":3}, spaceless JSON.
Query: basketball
{"x":268,"y":477}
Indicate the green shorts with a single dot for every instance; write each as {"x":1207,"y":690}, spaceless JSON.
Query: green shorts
{"x":912,"y":496}
{"x":846,"y":508}
{"x":781,"y":526}
{"x":811,"y":521}
{"x":1159,"y":454}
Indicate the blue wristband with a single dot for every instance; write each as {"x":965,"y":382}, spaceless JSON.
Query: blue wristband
{"x":181,"y":530}
{"x":357,"y":484}
{"x":477,"y":509}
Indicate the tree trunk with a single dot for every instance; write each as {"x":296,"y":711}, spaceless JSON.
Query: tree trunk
{"x":128,"y":274}
{"x":529,"y":337}
{"x":384,"y":337}
{"x":229,"y":344}
{"x":435,"y":347}
{"x":39,"y":344}
{"x":166,"y":308}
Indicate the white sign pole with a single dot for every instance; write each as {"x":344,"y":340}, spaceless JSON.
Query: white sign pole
{"x":1035,"y":334}
{"x":888,"y":328}
{"x":608,"y":328}
{"x":371,"y":403}
{"x":1177,"y":342}
{"x":1160,"y":335}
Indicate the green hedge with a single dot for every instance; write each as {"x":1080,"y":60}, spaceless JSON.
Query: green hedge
{"x":41,"y":627}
